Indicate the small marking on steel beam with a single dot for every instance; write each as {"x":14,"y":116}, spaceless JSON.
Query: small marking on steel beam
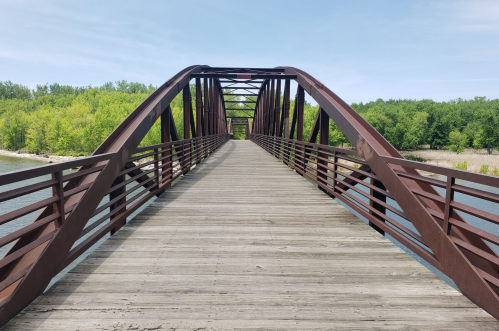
{"x":240,"y":76}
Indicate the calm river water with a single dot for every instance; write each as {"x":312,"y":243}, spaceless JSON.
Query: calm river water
{"x":8,"y":164}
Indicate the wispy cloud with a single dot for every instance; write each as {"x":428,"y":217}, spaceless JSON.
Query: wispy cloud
{"x":465,"y":80}
{"x":474,"y":10}
{"x":470,"y":16}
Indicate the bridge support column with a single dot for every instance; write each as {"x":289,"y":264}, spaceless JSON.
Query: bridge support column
{"x":212,"y":108}
{"x":322,"y":164}
{"x":206,"y":123}
{"x":376,"y":205}
{"x":199,"y":125}
{"x":167,"y":162}
{"x":299,"y":129}
{"x":277,"y":116}
{"x":285,"y":108}
{"x":277,"y":108}
{"x":271,"y":109}
{"x":186,"y":155}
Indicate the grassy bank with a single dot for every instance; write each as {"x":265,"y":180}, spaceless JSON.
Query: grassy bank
{"x":469,"y":159}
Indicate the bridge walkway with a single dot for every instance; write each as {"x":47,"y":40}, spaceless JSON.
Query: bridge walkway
{"x":243,"y":242}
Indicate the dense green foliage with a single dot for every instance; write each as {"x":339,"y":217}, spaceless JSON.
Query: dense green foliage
{"x":67,"y":120}
{"x":456,"y":124}
{"x":75,"y":120}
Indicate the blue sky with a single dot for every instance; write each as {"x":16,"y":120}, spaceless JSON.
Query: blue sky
{"x":362,"y":50}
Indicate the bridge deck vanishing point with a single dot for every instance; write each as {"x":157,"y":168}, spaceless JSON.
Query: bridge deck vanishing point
{"x":243,"y":242}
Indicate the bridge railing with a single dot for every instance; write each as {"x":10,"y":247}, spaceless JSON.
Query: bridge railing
{"x":149,"y":171}
{"x":50,"y":206}
{"x":344,"y":175}
{"x":474,"y":192}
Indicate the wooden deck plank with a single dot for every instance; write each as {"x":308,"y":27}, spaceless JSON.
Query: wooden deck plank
{"x":243,"y":242}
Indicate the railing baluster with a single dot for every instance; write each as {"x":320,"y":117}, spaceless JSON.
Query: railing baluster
{"x":58,"y":191}
{"x":449,"y":197}
{"x":335,"y":170}
{"x":156,"y":167}
{"x":113,"y":195}
{"x":376,"y":205}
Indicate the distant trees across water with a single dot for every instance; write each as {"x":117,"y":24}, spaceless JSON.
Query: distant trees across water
{"x":69,"y":120}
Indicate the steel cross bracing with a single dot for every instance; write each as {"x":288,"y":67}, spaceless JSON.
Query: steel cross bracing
{"x":76,"y":215}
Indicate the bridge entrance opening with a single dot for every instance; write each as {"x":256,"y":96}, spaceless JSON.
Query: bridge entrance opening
{"x":239,"y":127}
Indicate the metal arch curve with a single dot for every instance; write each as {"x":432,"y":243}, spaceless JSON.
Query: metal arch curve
{"x":371,"y":145}
{"x":122,"y":142}
{"x":46,"y":261}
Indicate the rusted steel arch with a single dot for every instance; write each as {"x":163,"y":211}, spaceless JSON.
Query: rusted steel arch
{"x":475,"y":276}
{"x":42,"y":249}
{"x":40,"y":264}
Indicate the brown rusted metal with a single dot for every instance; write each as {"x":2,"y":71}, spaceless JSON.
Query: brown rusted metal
{"x":131,"y":176}
{"x":166,"y":156}
{"x":322,"y":158}
{"x":120,"y":198}
{"x":38,"y":254}
{"x":461,"y":252}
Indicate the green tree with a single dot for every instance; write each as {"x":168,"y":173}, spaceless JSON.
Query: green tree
{"x":488,"y":136}
{"x":458,"y":141}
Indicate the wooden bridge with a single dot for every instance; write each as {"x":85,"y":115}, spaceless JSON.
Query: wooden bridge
{"x":251,"y":235}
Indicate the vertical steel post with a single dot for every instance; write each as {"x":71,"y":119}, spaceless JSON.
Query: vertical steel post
{"x":268,"y":102}
{"x":199,"y":124}
{"x":58,"y":191}
{"x":167,"y":162}
{"x":322,"y":158}
{"x":212,"y":108}
{"x":113,"y":195}
{"x":299,"y":127}
{"x":335,"y":171}
{"x":187,"y":128}
{"x":206,"y":116}
{"x":271,"y":108}
{"x":248,"y":129}
{"x":156,"y":168}
{"x":449,"y":197}
{"x":277,"y":108}
{"x":286,"y":105}
{"x":199,"y":106}
{"x":285,"y":108}
{"x":376,"y":205}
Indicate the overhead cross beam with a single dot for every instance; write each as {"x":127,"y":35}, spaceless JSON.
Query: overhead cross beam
{"x":243,"y":76}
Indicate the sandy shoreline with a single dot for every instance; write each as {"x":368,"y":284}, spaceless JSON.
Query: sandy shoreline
{"x":45,"y":157}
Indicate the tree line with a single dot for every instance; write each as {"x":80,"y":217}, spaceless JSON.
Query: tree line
{"x":67,"y":120}
{"x":410,"y":124}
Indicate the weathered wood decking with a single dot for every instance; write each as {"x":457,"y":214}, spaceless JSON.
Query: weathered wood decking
{"x":243,"y":242}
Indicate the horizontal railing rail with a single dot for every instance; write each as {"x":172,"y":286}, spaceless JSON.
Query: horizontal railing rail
{"x":150,"y":171}
{"x":486,"y":223}
{"x":74,"y":210}
{"x":63,"y":213}
{"x":342,"y":174}
{"x":338,"y":171}
{"x":374,"y":181}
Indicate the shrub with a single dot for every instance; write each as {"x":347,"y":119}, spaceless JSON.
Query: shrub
{"x":415,"y":158}
{"x":460,"y":165}
{"x":495,"y":172}
{"x":458,"y":141}
{"x":484,"y":169}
